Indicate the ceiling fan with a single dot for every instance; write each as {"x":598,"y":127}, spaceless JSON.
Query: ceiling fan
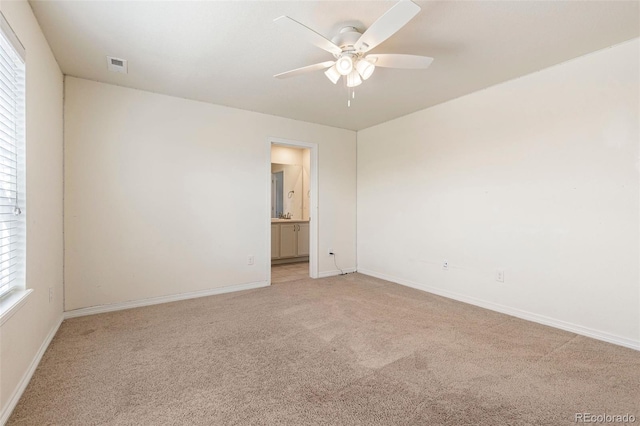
{"x":349,"y":47}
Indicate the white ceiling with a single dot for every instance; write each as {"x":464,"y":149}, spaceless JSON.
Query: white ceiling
{"x":226,"y":52}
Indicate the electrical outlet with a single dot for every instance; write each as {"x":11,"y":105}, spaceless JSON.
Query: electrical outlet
{"x":500,"y":275}
{"x":330,"y":252}
{"x":445,"y":265}
{"x":50,"y":294}
{"x":250,"y":260}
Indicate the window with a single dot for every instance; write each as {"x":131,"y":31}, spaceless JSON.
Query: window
{"x":12,"y":173}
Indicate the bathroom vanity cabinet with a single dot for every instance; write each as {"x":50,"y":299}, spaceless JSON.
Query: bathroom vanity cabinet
{"x":289,"y":240}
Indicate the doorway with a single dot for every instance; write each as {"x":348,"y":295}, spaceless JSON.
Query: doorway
{"x":293,"y":210}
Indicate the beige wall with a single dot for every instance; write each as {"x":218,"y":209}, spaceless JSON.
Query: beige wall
{"x":165,"y":196}
{"x":24,"y":333}
{"x":286,"y":155}
{"x":537,"y":176}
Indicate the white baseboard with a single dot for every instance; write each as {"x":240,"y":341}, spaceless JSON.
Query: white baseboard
{"x":529,"y":316}
{"x":26,"y":377}
{"x":92,"y":310}
{"x":335,"y":272}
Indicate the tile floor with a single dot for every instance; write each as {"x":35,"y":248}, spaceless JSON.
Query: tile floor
{"x":289,"y":272}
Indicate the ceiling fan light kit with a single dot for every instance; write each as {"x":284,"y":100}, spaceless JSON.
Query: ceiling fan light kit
{"x":349,"y":48}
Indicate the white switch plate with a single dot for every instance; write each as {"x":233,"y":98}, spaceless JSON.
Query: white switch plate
{"x":445,"y":265}
{"x":250,"y":260}
{"x":50,"y":294}
{"x":500,"y":275}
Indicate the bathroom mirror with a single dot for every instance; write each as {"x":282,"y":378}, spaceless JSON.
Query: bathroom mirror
{"x":287,"y":191}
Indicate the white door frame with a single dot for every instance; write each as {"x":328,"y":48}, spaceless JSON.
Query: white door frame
{"x":313,"y":198}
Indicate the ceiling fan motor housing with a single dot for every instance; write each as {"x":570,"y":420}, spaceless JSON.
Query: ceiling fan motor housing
{"x":346,"y":38}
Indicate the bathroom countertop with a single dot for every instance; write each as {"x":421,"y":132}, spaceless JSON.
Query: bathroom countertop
{"x":288,"y":220}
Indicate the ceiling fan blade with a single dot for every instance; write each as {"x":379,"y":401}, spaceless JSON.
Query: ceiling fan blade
{"x":387,"y":25}
{"x":309,"y":68}
{"x":308,"y":34}
{"x":400,"y":61}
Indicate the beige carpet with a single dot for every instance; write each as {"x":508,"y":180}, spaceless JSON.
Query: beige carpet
{"x":349,"y":350}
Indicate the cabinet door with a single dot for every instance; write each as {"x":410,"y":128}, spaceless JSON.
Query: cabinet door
{"x":303,"y":239}
{"x":275,"y":241}
{"x":288,"y":239}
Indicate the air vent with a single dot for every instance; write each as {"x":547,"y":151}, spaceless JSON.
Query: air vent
{"x":117,"y":64}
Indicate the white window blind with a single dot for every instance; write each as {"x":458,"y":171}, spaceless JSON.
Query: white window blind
{"x":12,"y":182}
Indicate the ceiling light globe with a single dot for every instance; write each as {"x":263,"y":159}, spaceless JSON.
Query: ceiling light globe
{"x":365,"y":68}
{"x":333,"y":74}
{"x":344,"y":65}
{"x":353,"y":79}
